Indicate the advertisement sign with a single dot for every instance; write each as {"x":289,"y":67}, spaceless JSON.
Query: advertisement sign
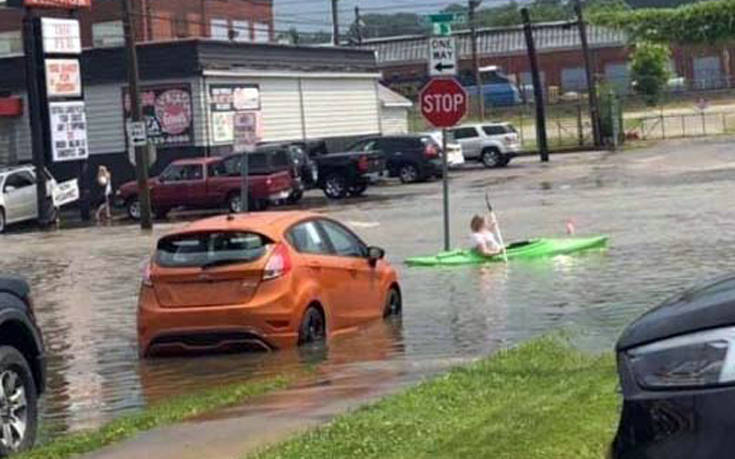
{"x":63,"y":78}
{"x":65,"y":193}
{"x":60,"y":4}
{"x":167,"y":111}
{"x":61,"y":36}
{"x":245,"y":131}
{"x":68,"y":125}
{"x":224,"y":101}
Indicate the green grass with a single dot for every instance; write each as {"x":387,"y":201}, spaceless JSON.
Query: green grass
{"x":167,"y":412}
{"x":540,"y":400}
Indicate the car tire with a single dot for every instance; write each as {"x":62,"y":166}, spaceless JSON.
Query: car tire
{"x":313,"y":328}
{"x":505,"y":160}
{"x":409,"y":173}
{"x":358,"y":189}
{"x":132,"y":206}
{"x":16,"y":382}
{"x":491,"y":157}
{"x":335,"y":186}
{"x":295,"y":196}
{"x":2,"y":220}
{"x":393,"y":303}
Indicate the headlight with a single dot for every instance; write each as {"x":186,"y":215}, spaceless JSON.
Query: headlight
{"x":695,"y":360}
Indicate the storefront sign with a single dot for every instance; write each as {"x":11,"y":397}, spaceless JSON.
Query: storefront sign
{"x":167,"y":111}
{"x":68,"y":125}
{"x":224,"y":101}
{"x":63,"y":78}
{"x":61,"y":36}
{"x":245,"y":131}
{"x":60,"y":4}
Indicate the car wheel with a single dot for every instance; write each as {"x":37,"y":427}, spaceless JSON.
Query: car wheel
{"x":393,"y":303}
{"x":18,"y":403}
{"x":335,"y":187}
{"x":408,"y":173}
{"x":358,"y":189}
{"x":2,"y":220}
{"x":505,"y":160}
{"x":491,"y":157}
{"x":313,"y":328}
{"x":295,"y":196}
{"x":133,"y":208}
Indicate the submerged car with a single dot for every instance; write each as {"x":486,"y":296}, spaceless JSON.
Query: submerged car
{"x":677,"y":374}
{"x":265,"y":281}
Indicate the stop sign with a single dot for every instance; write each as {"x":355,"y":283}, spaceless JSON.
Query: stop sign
{"x":443,"y":102}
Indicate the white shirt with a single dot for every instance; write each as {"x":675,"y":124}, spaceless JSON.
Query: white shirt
{"x":487,"y":238}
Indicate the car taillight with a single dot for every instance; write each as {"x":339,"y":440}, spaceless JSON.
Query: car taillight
{"x":431,"y":151}
{"x":279,"y":264}
{"x":509,"y":139}
{"x":362,"y":164}
{"x":268,"y":181}
{"x":147,"y":282}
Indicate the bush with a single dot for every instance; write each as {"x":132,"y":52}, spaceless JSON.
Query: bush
{"x":649,"y":70}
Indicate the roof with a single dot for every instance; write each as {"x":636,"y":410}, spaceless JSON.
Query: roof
{"x":496,"y":41}
{"x":191,"y":57}
{"x":267,"y":223}
{"x":390,"y":98}
{"x":201,"y":160}
{"x":6,"y":170}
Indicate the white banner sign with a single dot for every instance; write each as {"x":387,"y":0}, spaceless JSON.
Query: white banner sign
{"x":65,"y":193}
{"x":245,"y":132}
{"x":68,"y":131}
{"x":63,"y":78}
{"x":61,"y":36}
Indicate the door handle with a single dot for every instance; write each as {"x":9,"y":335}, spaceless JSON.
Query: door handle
{"x":314,"y":265}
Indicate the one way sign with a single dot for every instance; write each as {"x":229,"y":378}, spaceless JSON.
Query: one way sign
{"x":442,"y":56}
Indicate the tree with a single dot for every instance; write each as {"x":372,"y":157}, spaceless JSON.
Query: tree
{"x":649,"y":70}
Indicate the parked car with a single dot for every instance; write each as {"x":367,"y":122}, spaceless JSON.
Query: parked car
{"x":267,"y":281}
{"x":349,"y":173}
{"x":211,"y":183}
{"x":455,"y":158}
{"x":411,"y":157}
{"x":304,"y":171}
{"x":493,"y":144}
{"x":18,"y":195}
{"x":22,"y":367}
{"x":677,"y":376}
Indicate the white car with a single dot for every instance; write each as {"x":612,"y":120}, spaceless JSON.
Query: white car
{"x":454,"y":150}
{"x":493,"y":144}
{"x":18,"y":194}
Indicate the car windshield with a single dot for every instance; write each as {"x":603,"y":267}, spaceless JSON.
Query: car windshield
{"x":210,"y":249}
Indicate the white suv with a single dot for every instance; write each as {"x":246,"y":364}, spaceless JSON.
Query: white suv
{"x":493,"y":144}
{"x":18,"y":194}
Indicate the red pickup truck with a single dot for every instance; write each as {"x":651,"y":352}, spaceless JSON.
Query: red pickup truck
{"x":208,"y":183}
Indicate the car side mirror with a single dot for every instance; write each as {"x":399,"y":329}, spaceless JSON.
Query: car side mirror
{"x":374,"y":254}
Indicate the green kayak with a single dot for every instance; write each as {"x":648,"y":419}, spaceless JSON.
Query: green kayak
{"x":533,"y":248}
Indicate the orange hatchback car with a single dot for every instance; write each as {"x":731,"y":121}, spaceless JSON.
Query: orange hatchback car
{"x":266,"y":281}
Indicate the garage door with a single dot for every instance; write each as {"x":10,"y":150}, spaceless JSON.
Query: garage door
{"x":573,"y":79}
{"x":707,"y":72}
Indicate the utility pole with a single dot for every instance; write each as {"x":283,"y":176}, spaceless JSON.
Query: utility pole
{"x":591,"y":83}
{"x":335,"y":23}
{"x":473,"y":4}
{"x":358,"y":25}
{"x":538,"y":94}
{"x":141,"y":153}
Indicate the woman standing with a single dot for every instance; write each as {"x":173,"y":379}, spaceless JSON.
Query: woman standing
{"x":104,"y":179}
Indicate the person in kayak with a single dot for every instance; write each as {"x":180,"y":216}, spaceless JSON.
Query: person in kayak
{"x":484,"y":236}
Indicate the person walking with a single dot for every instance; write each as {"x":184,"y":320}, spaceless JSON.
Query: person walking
{"x":104,"y":179}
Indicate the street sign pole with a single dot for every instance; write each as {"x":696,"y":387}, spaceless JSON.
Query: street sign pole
{"x":244,"y":172}
{"x":445,"y":182}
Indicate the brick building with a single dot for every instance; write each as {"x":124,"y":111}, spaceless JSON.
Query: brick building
{"x":403,"y":60}
{"x":236,"y":20}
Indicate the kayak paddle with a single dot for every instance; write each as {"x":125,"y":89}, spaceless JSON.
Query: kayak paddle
{"x":497,"y":226}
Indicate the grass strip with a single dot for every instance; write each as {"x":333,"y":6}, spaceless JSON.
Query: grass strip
{"x":542,"y":399}
{"x":167,"y":412}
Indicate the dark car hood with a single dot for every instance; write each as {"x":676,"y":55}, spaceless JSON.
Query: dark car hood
{"x":706,"y":306}
{"x":14,"y":285}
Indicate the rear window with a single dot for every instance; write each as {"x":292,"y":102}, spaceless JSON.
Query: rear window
{"x":495,"y":130}
{"x":210,"y":249}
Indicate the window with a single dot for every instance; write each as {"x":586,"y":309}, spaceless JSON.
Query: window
{"x":344,"y":242}
{"x":228,"y":167}
{"x":219,"y":29}
{"x":465,"y":133}
{"x":210,"y":249}
{"x":307,"y":238}
{"x":182,"y":172}
{"x":109,"y":33}
{"x":19,"y":180}
{"x":241,"y":30}
{"x":495,"y":129}
{"x":11,"y":43}
{"x":365,"y":145}
{"x":262,"y":32}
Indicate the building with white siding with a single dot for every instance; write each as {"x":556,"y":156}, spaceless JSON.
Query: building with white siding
{"x":189,"y":90}
{"x":394,"y":111}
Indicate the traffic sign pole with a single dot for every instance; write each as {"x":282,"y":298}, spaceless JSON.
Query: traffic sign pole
{"x":445,"y":181}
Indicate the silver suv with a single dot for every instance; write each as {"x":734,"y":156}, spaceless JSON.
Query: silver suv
{"x":18,"y":194}
{"x":493,"y":144}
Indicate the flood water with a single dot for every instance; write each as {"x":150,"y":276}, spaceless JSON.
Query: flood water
{"x":666,"y":209}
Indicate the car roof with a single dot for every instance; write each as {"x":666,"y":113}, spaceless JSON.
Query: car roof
{"x":9,"y":169}
{"x":271,"y":224}
{"x":201,"y":160}
{"x":488,"y":123}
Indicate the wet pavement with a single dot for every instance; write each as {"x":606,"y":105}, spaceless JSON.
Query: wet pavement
{"x":666,"y":209}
